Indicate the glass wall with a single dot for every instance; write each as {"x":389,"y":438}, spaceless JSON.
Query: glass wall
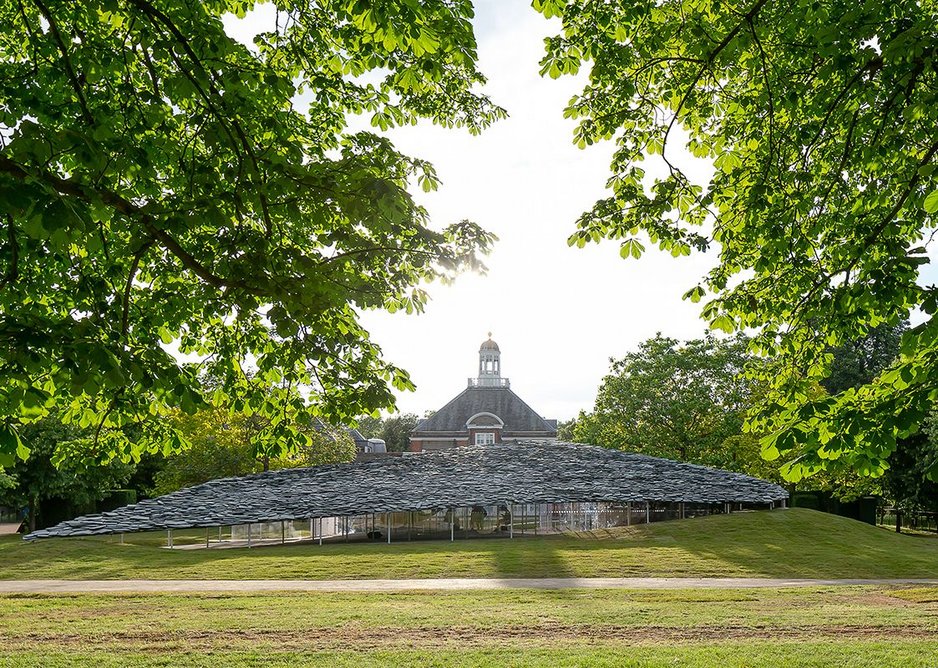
{"x":467,"y":522}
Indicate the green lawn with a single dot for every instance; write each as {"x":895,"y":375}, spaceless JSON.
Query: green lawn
{"x":855,"y":626}
{"x":802,"y":654}
{"x":883,"y":654}
{"x":812,"y":627}
{"x":782,"y":543}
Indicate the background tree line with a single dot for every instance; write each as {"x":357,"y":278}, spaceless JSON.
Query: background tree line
{"x":394,"y":430}
{"x":51,"y":486}
{"x":689,"y":402}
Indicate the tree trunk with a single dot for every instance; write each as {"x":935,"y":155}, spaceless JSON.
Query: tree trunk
{"x":898,"y":521}
{"x":33,"y":509}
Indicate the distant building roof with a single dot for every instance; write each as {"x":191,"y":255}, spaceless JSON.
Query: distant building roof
{"x":489,"y":344}
{"x":500,"y":401}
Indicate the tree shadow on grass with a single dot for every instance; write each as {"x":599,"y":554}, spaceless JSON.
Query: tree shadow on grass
{"x":794,"y":543}
{"x":802,"y":543}
{"x":532,"y":557}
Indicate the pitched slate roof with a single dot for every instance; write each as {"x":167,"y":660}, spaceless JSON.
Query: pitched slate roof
{"x":500,"y":401}
{"x":527,"y":472}
{"x":357,"y":437}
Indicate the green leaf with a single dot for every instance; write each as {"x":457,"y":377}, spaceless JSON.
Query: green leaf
{"x":931,"y":202}
{"x":933,"y":471}
{"x":723,"y":323}
{"x":631,"y":248}
{"x":695,"y":294}
{"x":769,"y":451}
{"x":11,"y":446}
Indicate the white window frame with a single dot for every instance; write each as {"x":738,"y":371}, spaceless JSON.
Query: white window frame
{"x":484,"y":420}
{"x":485,"y":438}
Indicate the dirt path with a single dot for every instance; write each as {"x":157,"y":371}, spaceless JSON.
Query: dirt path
{"x":371,"y":638}
{"x":9,"y":528}
{"x":440,"y":584}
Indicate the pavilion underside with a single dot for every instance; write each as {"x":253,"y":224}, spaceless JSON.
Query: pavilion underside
{"x":476,"y":491}
{"x":502,"y":521}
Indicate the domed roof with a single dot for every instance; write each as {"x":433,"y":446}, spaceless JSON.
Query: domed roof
{"x":489,"y":345}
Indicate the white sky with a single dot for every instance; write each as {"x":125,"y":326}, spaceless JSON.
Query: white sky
{"x":557,"y":313}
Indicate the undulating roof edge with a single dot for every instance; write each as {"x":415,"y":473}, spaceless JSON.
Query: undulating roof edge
{"x":524,"y":472}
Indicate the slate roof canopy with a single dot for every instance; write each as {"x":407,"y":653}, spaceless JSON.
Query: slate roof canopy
{"x":523,"y":473}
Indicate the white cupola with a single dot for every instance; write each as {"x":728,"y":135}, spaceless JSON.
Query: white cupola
{"x":490,"y":367}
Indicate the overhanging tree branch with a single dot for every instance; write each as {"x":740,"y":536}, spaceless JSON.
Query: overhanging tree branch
{"x":132,"y":211}
{"x":69,"y":68}
{"x":13,"y":271}
{"x":134,"y":265}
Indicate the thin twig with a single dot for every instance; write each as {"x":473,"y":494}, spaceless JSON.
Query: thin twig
{"x":57,"y":36}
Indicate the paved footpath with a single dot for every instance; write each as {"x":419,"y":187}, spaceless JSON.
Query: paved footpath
{"x":440,"y":584}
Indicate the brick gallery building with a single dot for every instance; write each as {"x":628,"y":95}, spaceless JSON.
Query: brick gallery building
{"x":487,"y":412}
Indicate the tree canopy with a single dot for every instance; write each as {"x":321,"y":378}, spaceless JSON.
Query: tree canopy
{"x":224,"y":445}
{"x":859,"y":362}
{"x":45,"y":476}
{"x":675,"y":400}
{"x":394,"y":430}
{"x":819,"y":117}
{"x":166,"y":189}
{"x":688,"y":401}
{"x":905,"y":482}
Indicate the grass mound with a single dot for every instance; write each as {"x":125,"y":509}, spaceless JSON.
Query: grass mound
{"x":785,"y":543}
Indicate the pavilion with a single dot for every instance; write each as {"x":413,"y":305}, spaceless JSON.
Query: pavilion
{"x":504,"y":490}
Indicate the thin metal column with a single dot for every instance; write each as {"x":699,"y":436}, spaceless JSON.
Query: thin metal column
{"x":206,"y":536}
{"x":628,"y":514}
{"x":647,"y":513}
{"x":682,"y":510}
{"x":249,"y":534}
{"x":320,"y":531}
{"x":283,"y":532}
{"x":452,"y":525}
{"x":388,"y":515}
{"x":511,"y":521}
{"x":169,"y":538}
